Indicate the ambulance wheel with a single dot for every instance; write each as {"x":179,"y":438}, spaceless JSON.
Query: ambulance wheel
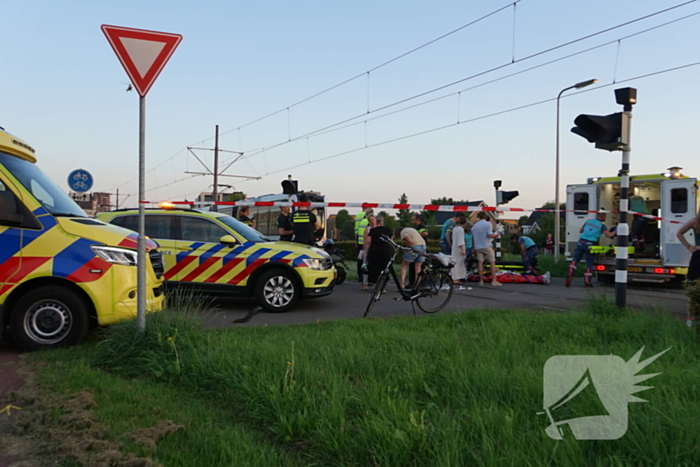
{"x":277,"y":290}
{"x":48,"y":317}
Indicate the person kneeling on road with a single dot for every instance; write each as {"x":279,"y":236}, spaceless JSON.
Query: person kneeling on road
{"x":528,"y":252}
{"x":591,"y":232}
{"x":414,"y":241}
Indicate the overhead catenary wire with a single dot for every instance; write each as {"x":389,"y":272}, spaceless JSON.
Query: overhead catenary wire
{"x":421,"y":94}
{"x":346,"y":81}
{"x":451,"y":125}
{"x":337,"y":126}
{"x":377,"y":67}
{"x":482,"y":117}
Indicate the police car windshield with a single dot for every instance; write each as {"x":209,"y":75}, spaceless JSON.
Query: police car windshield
{"x":248,"y":233}
{"x":38,"y":184}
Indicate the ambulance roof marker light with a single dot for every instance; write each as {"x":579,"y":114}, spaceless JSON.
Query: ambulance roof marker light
{"x":675,"y":172}
{"x":593,"y":180}
{"x":165,"y":205}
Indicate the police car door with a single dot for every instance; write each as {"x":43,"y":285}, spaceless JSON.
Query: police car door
{"x":678,"y":203}
{"x":580,"y":199}
{"x":202,"y":254}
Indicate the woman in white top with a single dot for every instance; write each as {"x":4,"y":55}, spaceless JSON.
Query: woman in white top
{"x":459,"y":252}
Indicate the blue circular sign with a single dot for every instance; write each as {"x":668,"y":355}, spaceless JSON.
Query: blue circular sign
{"x":80,"y":181}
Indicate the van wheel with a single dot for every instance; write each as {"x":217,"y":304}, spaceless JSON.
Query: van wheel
{"x":48,"y":317}
{"x":277,"y":291}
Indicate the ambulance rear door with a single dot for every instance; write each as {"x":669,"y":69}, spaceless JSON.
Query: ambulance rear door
{"x":581,"y":202}
{"x":678,"y":203}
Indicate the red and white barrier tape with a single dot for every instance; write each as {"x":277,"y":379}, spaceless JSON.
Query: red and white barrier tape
{"x":409,"y":207}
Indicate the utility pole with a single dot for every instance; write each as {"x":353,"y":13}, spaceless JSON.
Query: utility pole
{"x":215,"y":191}
{"x":216,"y":173}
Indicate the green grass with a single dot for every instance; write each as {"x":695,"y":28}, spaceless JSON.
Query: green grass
{"x":444,"y":390}
{"x":211,"y":435}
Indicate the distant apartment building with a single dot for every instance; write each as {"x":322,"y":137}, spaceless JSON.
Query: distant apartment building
{"x":92,"y":203}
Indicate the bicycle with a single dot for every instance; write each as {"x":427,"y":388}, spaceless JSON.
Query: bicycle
{"x":433,"y":286}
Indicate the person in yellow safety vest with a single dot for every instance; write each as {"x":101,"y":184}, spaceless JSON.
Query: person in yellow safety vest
{"x":360,"y":226}
{"x":305,"y":224}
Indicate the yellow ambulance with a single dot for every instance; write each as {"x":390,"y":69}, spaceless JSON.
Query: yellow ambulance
{"x":61,"y":272}
{"x":216,"y":255}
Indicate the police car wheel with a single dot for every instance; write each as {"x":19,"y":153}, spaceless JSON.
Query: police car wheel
{"x":277,"y":291}
{"x":48,"y":317}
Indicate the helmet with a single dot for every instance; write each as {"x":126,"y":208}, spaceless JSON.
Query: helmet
{"x":328,"y":242}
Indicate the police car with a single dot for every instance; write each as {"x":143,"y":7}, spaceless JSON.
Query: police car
{"x":217,"y":255}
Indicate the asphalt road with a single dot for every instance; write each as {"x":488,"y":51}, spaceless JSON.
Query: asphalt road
{"x":350,"y":301}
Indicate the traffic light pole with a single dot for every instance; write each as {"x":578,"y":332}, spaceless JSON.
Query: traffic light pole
{"x":623,"y":226}
{"x":497,"y":185}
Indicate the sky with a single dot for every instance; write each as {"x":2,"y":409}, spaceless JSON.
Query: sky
{"x":64,"y":92}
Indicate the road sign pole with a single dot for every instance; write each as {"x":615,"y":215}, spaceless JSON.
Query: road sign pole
{"x":143,"y":54}
{"x":623,"y":226}
{"x":141,"y":244}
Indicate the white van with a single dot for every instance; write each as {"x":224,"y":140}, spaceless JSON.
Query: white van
{"x":670,"y":195}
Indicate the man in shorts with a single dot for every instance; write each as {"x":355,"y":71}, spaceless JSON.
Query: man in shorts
{"x":415,"y":241}
{"x":483,"y":236}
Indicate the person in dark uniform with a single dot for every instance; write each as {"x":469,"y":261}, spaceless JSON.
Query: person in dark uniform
{"x":243,"y":214}
{"x":305,"y":224}
{"x":418,"y":224}
{"x":284,"y":224}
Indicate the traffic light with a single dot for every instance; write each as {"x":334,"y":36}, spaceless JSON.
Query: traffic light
{"x":503,"y":197}
{"x":606,"y":131}
{"x":290,"y":187}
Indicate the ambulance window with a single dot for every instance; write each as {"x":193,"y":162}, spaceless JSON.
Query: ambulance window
{"x":41,"y":194}
{"x":195,"y":229}
{"x":679,"y":200}
{"x":580,"y":203}
{"x":2,"y":186}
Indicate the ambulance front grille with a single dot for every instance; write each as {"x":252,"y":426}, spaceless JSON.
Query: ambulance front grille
{"x":157,"y":263}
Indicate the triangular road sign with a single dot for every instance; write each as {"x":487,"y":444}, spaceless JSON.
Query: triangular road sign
{"x":143,"y":54}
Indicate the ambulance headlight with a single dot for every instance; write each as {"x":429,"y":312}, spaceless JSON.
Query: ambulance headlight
{"x":116,"y":255}
{"x":317,"y":264}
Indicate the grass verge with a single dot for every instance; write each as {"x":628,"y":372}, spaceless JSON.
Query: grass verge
{"x":461,"y":389}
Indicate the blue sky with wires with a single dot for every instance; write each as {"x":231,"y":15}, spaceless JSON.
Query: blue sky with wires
{"x":64,"y":93}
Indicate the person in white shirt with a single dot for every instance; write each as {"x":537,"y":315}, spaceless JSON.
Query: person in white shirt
{"x":459,"y":252}
{"x":483,"y":236}
{"x":416,"y":242}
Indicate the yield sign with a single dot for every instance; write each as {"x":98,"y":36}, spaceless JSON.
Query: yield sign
{"x":143,"y":54}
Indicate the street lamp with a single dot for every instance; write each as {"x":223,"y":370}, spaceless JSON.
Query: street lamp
{"x":557,"y":215}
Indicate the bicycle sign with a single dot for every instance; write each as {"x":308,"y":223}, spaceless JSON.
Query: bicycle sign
{"x":80,"y":180}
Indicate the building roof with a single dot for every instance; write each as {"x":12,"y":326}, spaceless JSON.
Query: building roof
{"x":535,"y":216}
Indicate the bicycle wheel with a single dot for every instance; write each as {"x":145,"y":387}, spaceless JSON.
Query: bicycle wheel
{"x":435,"y":290}
{"x":377,"y":293}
